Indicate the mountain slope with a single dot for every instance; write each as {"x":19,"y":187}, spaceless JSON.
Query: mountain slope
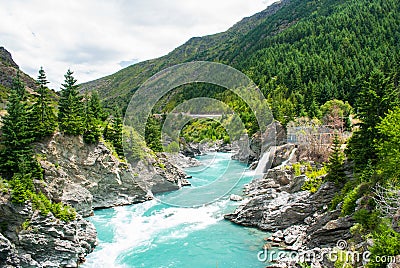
{"x":302,"y":53}
{"x":9,"y":70}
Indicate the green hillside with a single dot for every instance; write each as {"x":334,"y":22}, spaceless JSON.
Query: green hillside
{"x":301,"y":53}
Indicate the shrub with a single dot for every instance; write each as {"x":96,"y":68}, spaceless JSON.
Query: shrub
{"x":368,"y":219}
{"x":349,"y":202}
{"x":312,"y":185}
{"x":297,"y":169}
{"x":19,"y":191}
{"x":315,"y":179}
{"x":59,"y":210}
{"x":25,"y":225}
{"x":339,"y":197}
{"x":386,"y":244}
{"x":173,"y":147}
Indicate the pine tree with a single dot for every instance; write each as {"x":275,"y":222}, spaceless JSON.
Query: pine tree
{"x":70,"y":114}
{"x":117,"y":135}
{"x":92,"y":131}
{"x":335,"y":164}
{"x":43,"y":114}
{"x":96,"y":106}
{"x":153,"y":135}
{"x":113,"y":133}
{"x":17,"y":133}
{"x":377,"y":96}
{"x":19,"y":86}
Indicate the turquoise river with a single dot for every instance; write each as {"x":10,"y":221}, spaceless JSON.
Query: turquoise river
{"x":154,"y":234}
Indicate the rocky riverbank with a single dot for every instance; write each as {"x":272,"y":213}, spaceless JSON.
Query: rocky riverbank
{"x":298,"y":220}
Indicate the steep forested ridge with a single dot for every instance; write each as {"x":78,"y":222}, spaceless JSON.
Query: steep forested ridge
{"x":303,"y":54}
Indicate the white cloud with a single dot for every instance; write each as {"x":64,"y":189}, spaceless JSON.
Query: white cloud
{"x":98,"y":37}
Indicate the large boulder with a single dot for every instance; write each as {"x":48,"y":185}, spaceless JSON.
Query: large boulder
{"x":284,"y":154}
{"x":279,"y":210}
{"x":328,"y":229}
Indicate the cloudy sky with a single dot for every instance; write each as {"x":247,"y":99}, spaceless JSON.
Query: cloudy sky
{"x":99,"y":37}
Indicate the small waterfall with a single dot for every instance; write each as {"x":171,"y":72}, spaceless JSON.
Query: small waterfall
{"x":266,"y":158}
{"x":289,"y":158}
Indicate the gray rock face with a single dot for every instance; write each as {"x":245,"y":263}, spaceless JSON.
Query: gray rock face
{"x":182,"y":161}
{"x":281,"y":210}
{"x":236,"y":198}
{"x":189,"y":149}
{"x":6,"y":58}
{"x":282,"y":153}
{"x":42,"y":241}
{"x":244,"y":152}
{"x":89,"y":176}
{"x":328,"y":229}
{"x":9,"y":69}
{"x":274,"y":135}
{"x":6,"y":248}
{"x":86,"y":176}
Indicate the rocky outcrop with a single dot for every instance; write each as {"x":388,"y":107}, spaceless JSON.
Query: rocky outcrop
{"x":86,"y":176}
{"x":189,"y":149}
{"x":250,"y":150}
{"x":284,"y":154}
{"x":182,"y":161}
{"x":6,"y":59}
{"x":275,"y":210}
{"x":299,"y":220}
{"x":28,"y":239}
{"x":90,"y":176}
{"x":244,"y":152}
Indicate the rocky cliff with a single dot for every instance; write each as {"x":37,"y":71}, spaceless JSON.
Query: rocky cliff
{"x":28,"y":239}
{"x":251,"y":151}
{"x":90,"y":176}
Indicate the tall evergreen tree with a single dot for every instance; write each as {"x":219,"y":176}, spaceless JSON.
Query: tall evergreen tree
{"x":70,"y":114}
{"x":377,"y":96}
{"x":153,"y":134}
{"x":113,"y":133}
{"x":117,"y":135}
{"x":43,"y":114}
{"x":92,"y":131}
{"x":96,"y":106}
{"x":335,"y":164}
{"x":16,"y":130}
{"x":19,"y":86}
